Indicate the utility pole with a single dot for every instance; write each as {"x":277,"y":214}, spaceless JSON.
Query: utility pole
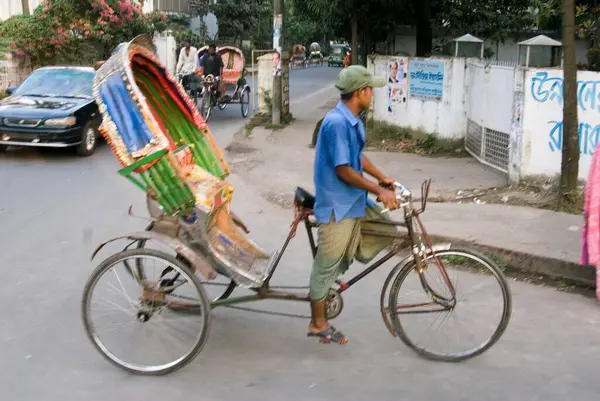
{"x":277,"y":46}
{"x":570,"y":127}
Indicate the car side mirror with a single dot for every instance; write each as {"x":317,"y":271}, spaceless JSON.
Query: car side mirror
{"x":10,"y":90}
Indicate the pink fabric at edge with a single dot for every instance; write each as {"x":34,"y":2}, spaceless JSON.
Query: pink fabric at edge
{"x":590,"y":238}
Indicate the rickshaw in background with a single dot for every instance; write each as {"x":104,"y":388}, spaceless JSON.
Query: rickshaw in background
{"x":337,"y":55}
{"x":315,"y":57}
{"x":237,"y":89}
{"x":298,"y":59}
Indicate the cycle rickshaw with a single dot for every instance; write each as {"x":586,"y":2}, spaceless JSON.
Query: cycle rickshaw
{"x":168,"y":152}
{"x":234,"y":78}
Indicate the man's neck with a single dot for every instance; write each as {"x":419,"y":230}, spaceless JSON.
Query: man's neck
{"x":353,"y":107}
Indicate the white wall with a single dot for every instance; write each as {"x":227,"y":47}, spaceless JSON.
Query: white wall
{"x":166,"y":48}
{"x":8,"y":8}
{"x":511,"y":117}
{"x":445,"y":118}
{"x":265,"y":81}
{"x":542,"y":121}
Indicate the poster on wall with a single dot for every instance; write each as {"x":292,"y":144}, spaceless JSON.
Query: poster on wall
{"x":396,"y":83}
{"x":426,"y":80}
{"x":277,"y":22}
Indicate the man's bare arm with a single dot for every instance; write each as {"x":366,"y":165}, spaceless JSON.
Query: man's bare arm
{"x":372,"y":170}
{"x":354,"y":178}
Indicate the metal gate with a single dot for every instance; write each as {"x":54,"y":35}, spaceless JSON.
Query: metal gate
{"x":489,"y":98}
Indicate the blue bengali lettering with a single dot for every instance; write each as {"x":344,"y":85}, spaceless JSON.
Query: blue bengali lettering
{"x":589,"y":136}
{"x":545,"y":89}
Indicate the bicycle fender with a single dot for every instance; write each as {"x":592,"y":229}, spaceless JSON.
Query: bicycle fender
{"x":398,"y":268}
{"x":198,"y":262}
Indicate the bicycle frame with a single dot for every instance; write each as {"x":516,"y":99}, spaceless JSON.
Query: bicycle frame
{"x":422,"y":248}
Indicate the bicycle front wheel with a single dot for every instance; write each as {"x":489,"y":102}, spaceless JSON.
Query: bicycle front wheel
{"x":424,"y":307}
{"x":206,"y":105}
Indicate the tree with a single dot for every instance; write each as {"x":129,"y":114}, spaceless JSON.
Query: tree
{"x":300,"y":28}
{"x":494,"y":20}
{"x":570,"y":145}
{"x":76,"y":32}
{"x":25,"y":7}
{"x":235,"y":17}
{"x":360,"y":20}
{"x":424,"y":27}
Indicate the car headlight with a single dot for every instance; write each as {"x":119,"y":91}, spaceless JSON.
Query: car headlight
{"x":61,"y":122}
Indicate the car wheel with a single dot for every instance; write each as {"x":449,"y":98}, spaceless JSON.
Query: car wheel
{"x":89,"y":141}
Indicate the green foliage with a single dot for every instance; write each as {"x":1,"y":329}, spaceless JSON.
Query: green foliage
{"x":77,"y":32}
{"x":494,"y":20}
{"x":201,"y":7}
{"x":4,"y":47}
{"x":235,"y":17}
{"x":300,"y":28}
{"x":376,"y":19}
{"x":587,"y":21}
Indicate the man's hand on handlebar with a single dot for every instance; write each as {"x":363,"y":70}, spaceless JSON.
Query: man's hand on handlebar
{"x":388,"y":197}
{"x":388,"y":182}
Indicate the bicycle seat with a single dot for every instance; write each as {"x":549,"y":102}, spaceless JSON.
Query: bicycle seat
{"x":304,"y":198}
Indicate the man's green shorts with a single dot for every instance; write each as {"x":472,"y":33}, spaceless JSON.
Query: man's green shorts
{"x":341,"y":242}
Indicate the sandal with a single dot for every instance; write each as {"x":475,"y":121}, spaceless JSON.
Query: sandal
{"x":328,"y":335}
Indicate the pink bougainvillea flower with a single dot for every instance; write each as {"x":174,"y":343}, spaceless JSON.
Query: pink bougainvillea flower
{"x":86,"y":33}
{"x":20,"y":52}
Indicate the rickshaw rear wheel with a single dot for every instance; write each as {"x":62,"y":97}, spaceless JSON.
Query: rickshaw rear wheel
{"x":147,"y":309}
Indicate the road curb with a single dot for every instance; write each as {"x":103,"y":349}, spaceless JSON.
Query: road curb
{"x":522,"y":262}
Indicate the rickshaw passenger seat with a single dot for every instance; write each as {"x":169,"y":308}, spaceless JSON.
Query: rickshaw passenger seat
{"x":304,"y":198}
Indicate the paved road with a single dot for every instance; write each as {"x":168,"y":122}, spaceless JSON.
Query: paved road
{"x":303,"y":84}
{"x":54,"y":208}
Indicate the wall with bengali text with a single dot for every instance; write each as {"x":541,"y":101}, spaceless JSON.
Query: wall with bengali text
{"x":542,"y":121}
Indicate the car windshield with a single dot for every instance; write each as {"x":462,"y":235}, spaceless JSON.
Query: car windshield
{"x":337,"y":50}
{"x":58,"y":83}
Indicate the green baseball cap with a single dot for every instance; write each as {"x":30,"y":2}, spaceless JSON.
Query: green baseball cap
{"x":356,"y":77}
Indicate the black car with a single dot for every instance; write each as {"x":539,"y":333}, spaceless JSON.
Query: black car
{"x":53,"y":108}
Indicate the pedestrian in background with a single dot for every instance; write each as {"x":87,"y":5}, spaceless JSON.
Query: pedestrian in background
{"x":590,"y":254}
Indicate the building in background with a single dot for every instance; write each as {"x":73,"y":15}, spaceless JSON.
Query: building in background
{"x":183,"y":7}
{"x":13,"y":7}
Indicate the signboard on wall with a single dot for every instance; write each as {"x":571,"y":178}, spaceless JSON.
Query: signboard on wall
{"x":396,"y":83}
{"x":426,"y":80}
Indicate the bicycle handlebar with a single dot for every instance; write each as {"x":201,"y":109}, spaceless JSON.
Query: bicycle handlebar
{"x":402,"y":193}
{"x":405,"y":196}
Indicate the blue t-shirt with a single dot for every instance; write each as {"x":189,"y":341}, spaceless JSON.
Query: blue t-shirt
{"x":340,"y":141}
